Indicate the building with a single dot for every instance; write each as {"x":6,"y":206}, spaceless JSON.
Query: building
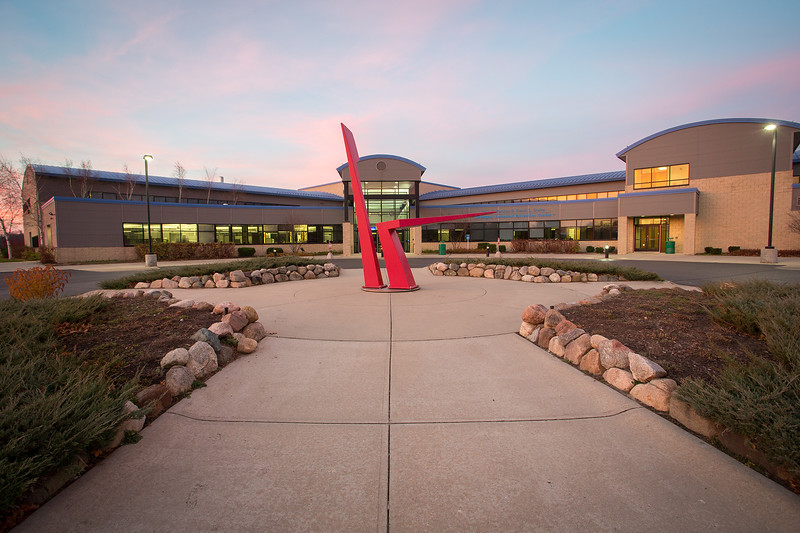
{"x":699,"y":185}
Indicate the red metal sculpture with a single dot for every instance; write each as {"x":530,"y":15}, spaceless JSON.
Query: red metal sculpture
{"x":397,"y":269}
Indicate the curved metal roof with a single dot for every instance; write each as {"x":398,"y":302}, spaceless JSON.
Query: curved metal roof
{"x":383,"y":156}
{"x":105,"y":175}
{"x":617,"y":175}
{"x":787,"y":123}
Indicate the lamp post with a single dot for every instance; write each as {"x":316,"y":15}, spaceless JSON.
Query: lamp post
{"x":770,"y":254}
{"x":150,"y":258}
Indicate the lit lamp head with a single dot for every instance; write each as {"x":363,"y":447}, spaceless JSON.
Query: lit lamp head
{"x":770,"y":127}
{"x":147,"y":157}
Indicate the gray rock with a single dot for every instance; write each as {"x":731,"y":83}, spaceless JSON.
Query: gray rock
{"x":546,"y":271}
{"x":183,"y":304}
{"x":527,"y":278}
{"x":555,"y":277}
{"x":541,"y":279}
{"x":255,"y":331}
{"x":202,"y":359}
{"x":142,"y":285}
{"x":203,"y":306}
{"x":168,"y":284}
{"x":222,"y":284}
{"x":309,"y":275}
{"x":302,"y":270}
{"x":643,"y":369}
{"x":534,"y":270}
{"x":179,"y":379}
{"x":225,"y":355}
{"x":238,"y":276}
{"x":267,"y":278}
{"x":185,"y":283}
{"x":204,"y":335}
{"x":178,"y":356}
{"x":281,"y":277}
{"x":545,"y":334}
{"x":221,"y":329}
{"x":333,"y":274}
{"x":573,"y":334}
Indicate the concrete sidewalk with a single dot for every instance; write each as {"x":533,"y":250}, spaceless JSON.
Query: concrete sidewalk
{"x":420,"y":411}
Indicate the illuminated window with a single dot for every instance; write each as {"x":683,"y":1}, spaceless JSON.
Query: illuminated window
{"x":666,"y":176}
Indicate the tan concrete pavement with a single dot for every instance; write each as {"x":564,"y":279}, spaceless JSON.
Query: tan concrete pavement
{"x":417,"y":411}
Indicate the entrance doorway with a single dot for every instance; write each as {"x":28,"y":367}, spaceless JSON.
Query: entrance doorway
{"x":650,"y":234}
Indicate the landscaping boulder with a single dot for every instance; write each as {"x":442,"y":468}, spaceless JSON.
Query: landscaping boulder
{"x":246,"y":345}
{"x":178,"y":356}
{"x":545,"y":334}
{"x":224,"y":308}
{"x":204,"y":335}
{"x":183,"y":304}
{"x":556,"y":347}
{"x":221,"y":329}
{"x":250,"y":313}
{"x":222,"y":284}
{"x":534,"y":314}
{"x":577,"y":348}
{"x":225,"y":355}
{"x":614,"y":354}
{"x":655,"y":394}
{"x":552,"y":318}
{"x":643,"y":369}
{"x":202,"y":359}
{"x":525,"y":329}
{"x":237,"y":320}
{"x":179,"y":379}
{"x":157,"y":397}
{"x":203,"y":306}
{"x":255,"y":331}
{"x":591,"y":363}
{"x":619,"y":379}
{"x":237,"y":276}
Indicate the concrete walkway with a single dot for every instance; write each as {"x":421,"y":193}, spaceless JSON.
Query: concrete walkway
{"x":412,"y":412}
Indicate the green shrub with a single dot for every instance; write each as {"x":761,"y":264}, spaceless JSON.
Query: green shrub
{"x":612,"y":249}
{"x":177,"y":251}
{"x":545,"y":246}
{"x":590,"y":249}
{"x":483,"y":245}
{"x":52,"y":405}
{"x":246,"y":252}
{"x":710,"y":250}
{"x":29,"y":254}
{"x":760,"y":399}
{"x":732,"y":249}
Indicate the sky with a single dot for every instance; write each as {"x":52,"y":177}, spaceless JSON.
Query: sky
{"x":478,"y":92}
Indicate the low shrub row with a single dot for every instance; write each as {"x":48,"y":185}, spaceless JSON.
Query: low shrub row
{"x":208,"y":269}
{"x":177,"y":251}
{"x":52,"y":405}
{"x":545,"y":246}
{"x":759,"y":399}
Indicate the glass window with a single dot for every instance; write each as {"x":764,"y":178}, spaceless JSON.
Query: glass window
{"x":188,"y":233}
{"x":223,"y":233}
{"x":664,"y":176}
{"x":133,"y":234}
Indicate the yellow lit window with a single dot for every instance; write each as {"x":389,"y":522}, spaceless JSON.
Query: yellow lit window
{"x":663,"y":176}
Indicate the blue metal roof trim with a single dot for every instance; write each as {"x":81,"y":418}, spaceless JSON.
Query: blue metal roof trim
{"x":105,"y":175}
{"x":708,"y":123}
{"x":660,"y":191}
{"x":383,"y":156}
{"x":195,"y":206}
{"x":602,"y":177}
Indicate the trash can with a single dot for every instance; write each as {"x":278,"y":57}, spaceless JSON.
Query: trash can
{"x":442,"y":248}
{"x":669,"y":247}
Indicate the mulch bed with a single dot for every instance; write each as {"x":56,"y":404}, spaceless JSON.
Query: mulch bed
{"x":134,"y":334}
{"x":670,"y":327}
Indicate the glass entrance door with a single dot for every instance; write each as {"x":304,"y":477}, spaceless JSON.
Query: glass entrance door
{"x":648,"y":238}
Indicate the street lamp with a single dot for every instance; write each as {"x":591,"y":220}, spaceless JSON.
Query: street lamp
{"x":769,"y":254}
{"x":150,"y":259}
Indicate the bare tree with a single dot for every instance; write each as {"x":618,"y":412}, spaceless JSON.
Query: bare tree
{"x":70,"y":175}
{"x":211,"y":177}
{"x":180,"y":175}
{"x":10,"y":199}
{"x":85,"y":178}
{"x":125,"y":189}
{"x":237,"y":189}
